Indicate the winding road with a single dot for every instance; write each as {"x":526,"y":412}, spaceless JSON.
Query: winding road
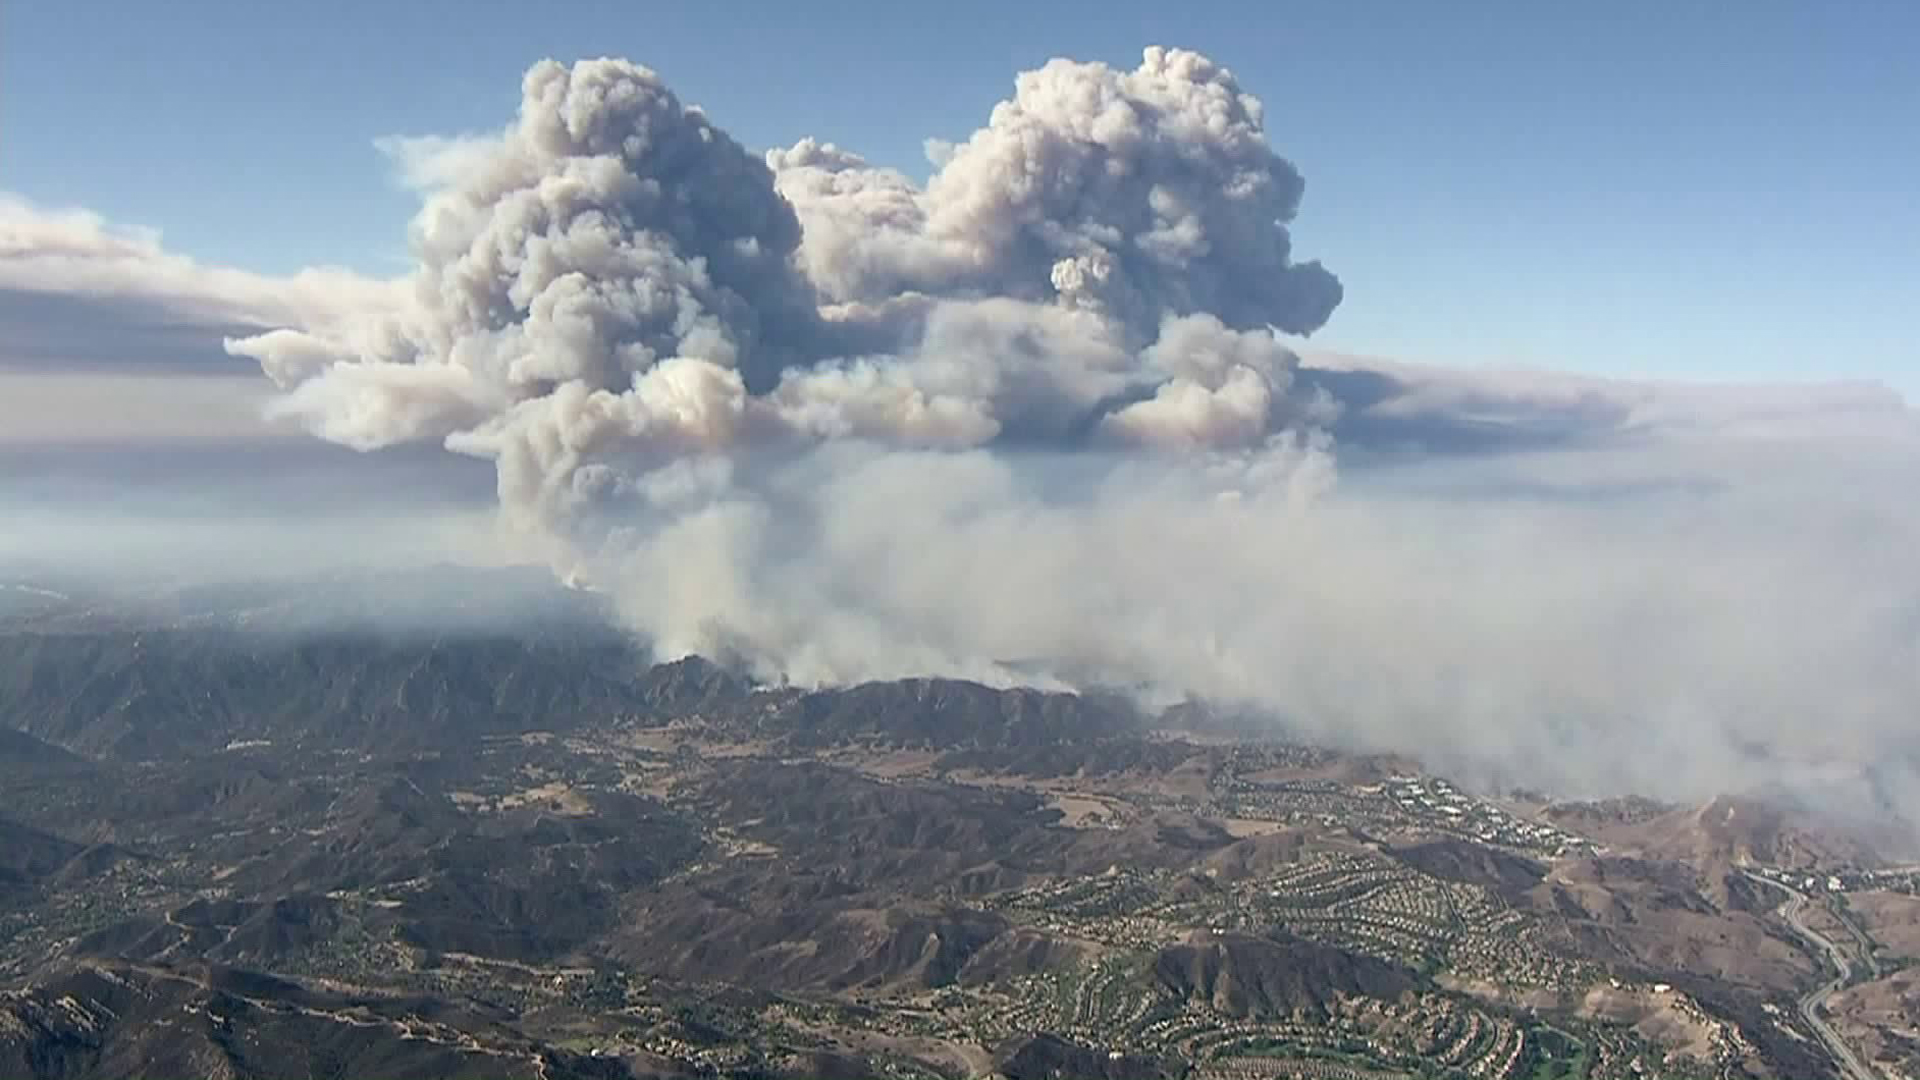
{"x":1793,"y":911}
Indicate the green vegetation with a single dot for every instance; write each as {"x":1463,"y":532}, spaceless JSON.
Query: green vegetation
{"x":1558,"y":1055}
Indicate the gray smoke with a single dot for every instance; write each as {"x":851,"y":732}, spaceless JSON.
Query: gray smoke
{"x":1034,"y":420}
{"x":613,"y":282}
{"x":1131,"y":194}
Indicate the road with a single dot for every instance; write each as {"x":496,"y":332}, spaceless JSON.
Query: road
{"x":1794,"y":911}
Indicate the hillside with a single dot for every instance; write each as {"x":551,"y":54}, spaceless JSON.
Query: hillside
{"x":1250,"y":977}
{"x":491,"y":854}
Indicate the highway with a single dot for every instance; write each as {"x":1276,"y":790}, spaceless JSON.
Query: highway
{"x":1794,"y":911}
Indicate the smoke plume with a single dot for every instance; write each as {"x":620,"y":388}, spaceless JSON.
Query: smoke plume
{"x":613,"y":283}
{"x":1036,"y":420}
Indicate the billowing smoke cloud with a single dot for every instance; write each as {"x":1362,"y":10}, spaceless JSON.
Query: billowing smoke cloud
{"x":1035,"y":419}
{"x":1132,"y":194}
{"x":613,"y":277}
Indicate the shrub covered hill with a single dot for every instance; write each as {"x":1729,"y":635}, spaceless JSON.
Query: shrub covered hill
{"x":395,"y":829}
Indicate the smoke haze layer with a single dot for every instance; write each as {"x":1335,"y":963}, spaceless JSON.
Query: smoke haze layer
{"x":1038,"y":419}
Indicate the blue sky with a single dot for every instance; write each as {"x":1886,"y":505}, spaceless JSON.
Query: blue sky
{"x":1721,"y":192}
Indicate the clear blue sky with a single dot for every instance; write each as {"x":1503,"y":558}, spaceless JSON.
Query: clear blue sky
{"x":1707,"y":190}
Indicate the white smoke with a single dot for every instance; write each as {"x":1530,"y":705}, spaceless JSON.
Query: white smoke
{"x":614,"y":278}
{"x":1036,"y":416}
{"x":1130,"y":193}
